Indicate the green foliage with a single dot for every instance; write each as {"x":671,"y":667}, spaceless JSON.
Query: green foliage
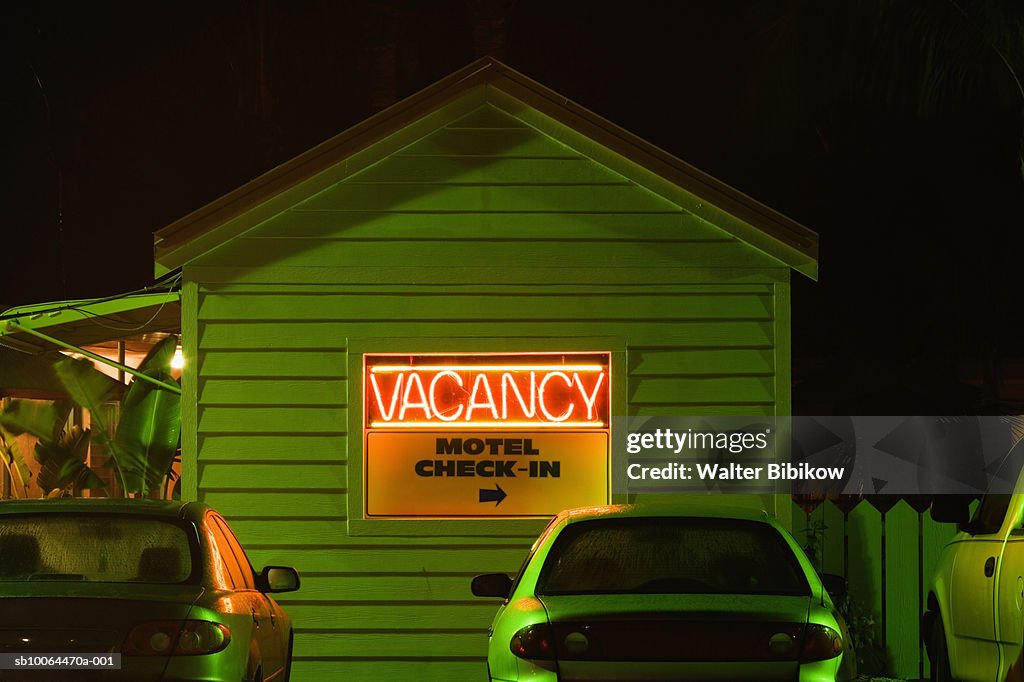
{"x":63,"y":461}
{"x":45,"y":421}
{"x":159,"y":358}
{"x":150,"y":427}
{"x":859,"y":617}
{"x":61,"y":454}
{"x":813,"y":535}
{"x":14,"y":464}
{"x":142,"y":448}
{"x":87,"y":386}
{"x":860,"y":621}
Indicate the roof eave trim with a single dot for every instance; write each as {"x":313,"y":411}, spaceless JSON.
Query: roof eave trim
{"x":352,"y":150}
{"x":649,"y":166}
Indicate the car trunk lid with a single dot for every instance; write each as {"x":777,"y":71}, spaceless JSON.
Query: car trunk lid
{"x":85,"y":618}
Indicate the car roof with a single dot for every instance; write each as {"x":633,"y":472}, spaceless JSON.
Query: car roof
{"x":681,"y":509}
{"x":102,"y":505}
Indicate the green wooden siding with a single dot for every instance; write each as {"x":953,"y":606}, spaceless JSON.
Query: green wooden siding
{"x":485,"y":229}
{"x":640,"y":226}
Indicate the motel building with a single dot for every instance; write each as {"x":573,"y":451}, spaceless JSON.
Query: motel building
{"x":404,"y":350}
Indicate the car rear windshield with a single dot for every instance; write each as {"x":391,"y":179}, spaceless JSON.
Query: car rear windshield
{"x":679,"y":555}
{"x":93,"y":547}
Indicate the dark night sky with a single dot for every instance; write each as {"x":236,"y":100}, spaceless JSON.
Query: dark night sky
{"x":122,"y":117}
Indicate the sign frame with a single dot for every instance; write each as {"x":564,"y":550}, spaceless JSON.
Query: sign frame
{"x":359,"y":523}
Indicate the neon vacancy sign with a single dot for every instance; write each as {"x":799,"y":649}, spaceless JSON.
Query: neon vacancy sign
{"x":568,"y":390}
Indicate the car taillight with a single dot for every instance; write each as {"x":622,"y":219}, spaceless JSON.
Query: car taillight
{"x":820,"y":643}
{"x":534,"y":642}
{"x":176,"y":638}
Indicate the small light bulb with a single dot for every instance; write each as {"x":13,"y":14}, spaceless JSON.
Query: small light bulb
{"x":178,"y":361}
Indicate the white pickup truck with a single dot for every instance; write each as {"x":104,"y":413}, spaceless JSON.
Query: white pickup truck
{"x":973,"y":625}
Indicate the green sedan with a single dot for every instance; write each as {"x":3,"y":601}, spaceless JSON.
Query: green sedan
{"x":140,"y":590}
{"x":634,"y":593}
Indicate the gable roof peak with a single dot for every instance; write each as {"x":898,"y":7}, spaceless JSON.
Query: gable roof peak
{"x":486,"y":81}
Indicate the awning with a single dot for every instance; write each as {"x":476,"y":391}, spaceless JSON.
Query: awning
{"x":69,"y":325}
{"x":91,"y":321}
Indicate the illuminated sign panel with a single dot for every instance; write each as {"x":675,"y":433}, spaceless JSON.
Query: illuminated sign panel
{"x":480,"y":435}
{"x":487,"y":393}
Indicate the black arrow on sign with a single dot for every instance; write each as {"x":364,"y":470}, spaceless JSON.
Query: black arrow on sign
{"x":495,"y":496}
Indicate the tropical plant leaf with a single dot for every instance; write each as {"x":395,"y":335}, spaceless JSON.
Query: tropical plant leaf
{"x":148,"y":434}
{"x":57,"y":474}
{"x":62,"y":462}
{"x":21,"y":469}
{"x":5,"y":460}
{"x":148,"y":431}
{"x":90,"y":389}
{"x":14,"y":463}
{"x":43,"y":419}
{"x":160,"y":356}
{"x":156,"y":364}
{"x":86,"y":385}
{"x":87,"y":479}
{"x":76,"y":441}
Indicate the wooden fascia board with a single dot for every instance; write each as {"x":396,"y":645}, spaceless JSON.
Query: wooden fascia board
{"x":606,"y":143}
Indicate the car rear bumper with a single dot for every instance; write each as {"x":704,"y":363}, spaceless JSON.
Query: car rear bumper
{"x":603,"y":671}
{"x":711,"y":671}
{"x":212,"y":668}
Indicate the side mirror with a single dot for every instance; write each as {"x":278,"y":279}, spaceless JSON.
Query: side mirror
{"x":277,"y":579}
{"x":492,"y":585}
{"x":950,"y":509}
{"x":835,"y":585}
